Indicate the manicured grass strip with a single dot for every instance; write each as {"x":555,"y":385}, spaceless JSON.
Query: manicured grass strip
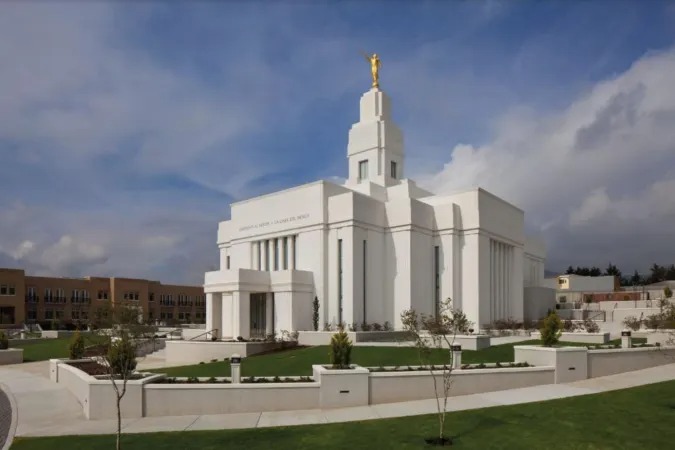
{"x":637,"y":418}
{"x":43,"y":349}
{"x":299,"y":361}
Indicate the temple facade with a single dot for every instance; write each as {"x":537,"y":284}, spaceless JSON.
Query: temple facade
{"x":368,"y":249}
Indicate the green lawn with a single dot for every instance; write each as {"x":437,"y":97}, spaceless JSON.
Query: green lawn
{"x":43,"y":349}
{"x":637,"y":418}
{"x":299,"y":361}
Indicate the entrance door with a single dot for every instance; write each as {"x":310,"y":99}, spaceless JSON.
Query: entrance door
{"x":258,"y":315}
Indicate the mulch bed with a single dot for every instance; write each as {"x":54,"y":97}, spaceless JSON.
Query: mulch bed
{"x":90,"y":367}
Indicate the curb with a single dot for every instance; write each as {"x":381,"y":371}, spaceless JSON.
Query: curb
{"x":15,"y":416}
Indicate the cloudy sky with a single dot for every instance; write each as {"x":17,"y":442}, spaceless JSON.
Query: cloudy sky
{"x":127,"y":128}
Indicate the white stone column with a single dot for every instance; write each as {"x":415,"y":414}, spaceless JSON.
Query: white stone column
{"x":269,"y":314}
{"x":241,"y":314}
{"x":273,"y":255}
{"x":280,"y":253}
{"x":256,"y":255}
{"x":291,"y":252}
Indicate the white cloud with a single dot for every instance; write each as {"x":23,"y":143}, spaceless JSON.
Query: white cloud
{"x":603,"y":162}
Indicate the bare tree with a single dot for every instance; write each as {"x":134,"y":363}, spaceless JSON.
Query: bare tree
{"x":116,"y":346}
{"x":437,"y":332}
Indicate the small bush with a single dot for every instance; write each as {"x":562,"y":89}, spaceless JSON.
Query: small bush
{"x":653,"y":322}
{"x":365,"y":326}
{"x":386,"y":326}
{"x":315,"y":314}
{"x":632,"y":322}
{"x":551,"y":330}
{"x":212,"y":380}
{"x":568,"y":325}
{"x":376,"y":327}
{"x":340,"y":351}
{"x":4,"y":342}
{"x":76,"y":346}
{"x":667,"y":292}
{"x":122,"y":356}
{"x":591,"y":326}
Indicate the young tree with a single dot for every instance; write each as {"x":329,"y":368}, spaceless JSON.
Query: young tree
{"x":551,"y":330}
{"x":436,"y":332}
{"x":122,"y":330}
{"x":315,"y":313}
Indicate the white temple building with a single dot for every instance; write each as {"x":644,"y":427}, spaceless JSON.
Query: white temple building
{"x":368,"y":249}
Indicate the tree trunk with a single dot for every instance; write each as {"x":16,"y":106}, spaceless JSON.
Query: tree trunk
{"x":119,"y":424}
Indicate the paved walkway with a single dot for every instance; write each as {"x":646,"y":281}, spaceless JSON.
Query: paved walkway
{"x":47,"y":409}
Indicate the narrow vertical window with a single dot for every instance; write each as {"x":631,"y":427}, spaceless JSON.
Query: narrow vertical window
{"x":393,"y":169}
{"x":363,"y":170}
{"x":437,"y":279}
{"x":227,"y":262}
{"x":285,"y":247}
{"x":365,"y":277}
{"x":339,"y":256}
{"x":294,"y":240}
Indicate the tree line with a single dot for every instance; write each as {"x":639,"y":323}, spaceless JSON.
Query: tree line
{"x":656,"y":273}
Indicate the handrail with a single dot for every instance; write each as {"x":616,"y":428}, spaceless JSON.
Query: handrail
{"x":206,"y":333}
{"x":171,"y":332}
{"x":600,"y":313}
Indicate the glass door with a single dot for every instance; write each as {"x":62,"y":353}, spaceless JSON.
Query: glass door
{"x":258,"y":315}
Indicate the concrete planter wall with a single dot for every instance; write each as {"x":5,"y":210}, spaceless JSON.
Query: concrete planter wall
{"x":187,"y":399}
{"x":11,"y":356}
{"x":353,"y":387}
{"x":312,"y":338}
{"x":97,"y":397}
{"x":570,"y":363}
{"x":467,"y":341}
{"x":581,"y":337}
{"x":342,"y":388}
{"x":194,"y":352}
{"x":610,"y":362}
{"x":390,"y":387}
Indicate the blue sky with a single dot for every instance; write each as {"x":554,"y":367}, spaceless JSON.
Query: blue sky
{"x":126,"y":129}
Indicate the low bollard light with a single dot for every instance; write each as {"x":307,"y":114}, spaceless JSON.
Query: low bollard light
{"x":235,"y":368}
{"x":456,"y":356}
{"x":626,"y":339}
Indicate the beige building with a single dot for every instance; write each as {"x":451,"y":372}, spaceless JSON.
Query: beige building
{"x":31,"y":299}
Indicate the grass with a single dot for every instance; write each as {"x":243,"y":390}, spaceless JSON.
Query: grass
{"x":43,"y":349}
{"x":299,"y":361}
{"x":636,"y":418}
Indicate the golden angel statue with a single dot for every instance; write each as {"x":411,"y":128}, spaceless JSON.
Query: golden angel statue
{"x":375,"y":64}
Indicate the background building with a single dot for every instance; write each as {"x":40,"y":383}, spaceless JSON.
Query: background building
{"x":31,"y":299}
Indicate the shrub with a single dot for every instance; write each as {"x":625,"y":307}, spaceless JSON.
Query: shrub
{"x":76,"y":346}
{"x":326,"y":326}
{"x":365,"y":326}
{"x":4,"y":342}
{"x":386,"y":326}
{"x":315,"y":314}
{"x":667,"y":292}
{"x":632,"y":322}
{"x":212,"y":380}
{"x":591,"y":326}
{"x":551,"y":330}
{"x":340,"y":351}
{"x":122,"y":356}
{"x":568,"y":325}
{"x":653,"y":322}
{"x":376,"y":327}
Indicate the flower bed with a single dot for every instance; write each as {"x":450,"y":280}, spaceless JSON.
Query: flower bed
{"x":498,"y":365}
{"x":228,"y":380}
{"x":613,"y":346}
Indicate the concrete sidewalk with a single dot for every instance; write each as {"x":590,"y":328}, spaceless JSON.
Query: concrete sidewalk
{"x":46,"y":409}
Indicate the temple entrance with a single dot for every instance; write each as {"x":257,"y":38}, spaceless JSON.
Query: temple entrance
{"x":258,"y":315}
